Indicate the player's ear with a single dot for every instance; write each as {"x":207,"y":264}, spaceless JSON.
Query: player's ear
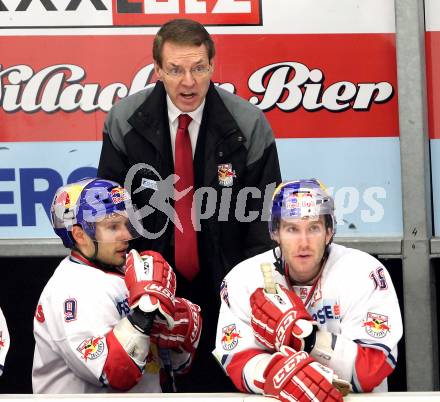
{"x":79,"y":235}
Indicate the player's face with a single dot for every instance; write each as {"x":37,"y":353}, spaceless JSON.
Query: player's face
{"x":112,"y":235}
{"x":186,"y":73}
{"x":303,"y":243}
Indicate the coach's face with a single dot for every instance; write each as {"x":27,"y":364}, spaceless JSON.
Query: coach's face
{"x":186,"y":73}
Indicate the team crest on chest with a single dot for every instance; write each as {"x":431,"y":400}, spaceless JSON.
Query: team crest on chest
{"x":226,"y":175}
{"x":376,"y":325}
{"x":91,"y":348}
{"x":230,"y":337}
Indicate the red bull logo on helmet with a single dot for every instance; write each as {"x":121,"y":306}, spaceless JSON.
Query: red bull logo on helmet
{"x":119,"y":195}
{"x":376,"y":325}
{"x":292,"y":202}
{"x":63,"y":199}
{"x":64,"y":204}
{"x":299,"y":205}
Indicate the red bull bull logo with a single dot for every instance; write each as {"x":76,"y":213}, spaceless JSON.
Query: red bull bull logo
{"x":64,"y":204}
{"x":230,"y":337}
{"x":299,"y":205}
{"x":376,"y":325}
{"x":292,"y":202}
{"x":225,"y":175}
{"x":91,"y":348}
{"x":63,"y":199}
{"x":118,"y":195}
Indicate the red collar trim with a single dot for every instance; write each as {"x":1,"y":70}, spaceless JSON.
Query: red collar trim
{"x":77,"y":257}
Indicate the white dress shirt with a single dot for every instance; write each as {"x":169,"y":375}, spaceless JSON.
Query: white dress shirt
{"x":193,"y":128}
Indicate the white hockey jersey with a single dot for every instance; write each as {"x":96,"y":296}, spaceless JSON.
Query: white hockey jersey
{"x":353,"y":298}
{"x":78,"y":307}
{"x":5,"y":341}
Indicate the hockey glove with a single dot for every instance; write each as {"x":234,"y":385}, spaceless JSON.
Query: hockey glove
{"x":281,"y":319}
{"x":151,"y":284}
{"x":186,"y":331}
{"x":295,"y":376}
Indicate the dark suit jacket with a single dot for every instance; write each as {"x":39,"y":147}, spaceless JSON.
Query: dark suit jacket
{"x":233,"y":133}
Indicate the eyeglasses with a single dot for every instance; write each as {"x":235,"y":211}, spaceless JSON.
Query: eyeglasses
{"x":199,"y":71}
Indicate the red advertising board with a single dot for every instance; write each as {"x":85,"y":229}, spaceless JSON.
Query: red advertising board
{"x":309,"y":86}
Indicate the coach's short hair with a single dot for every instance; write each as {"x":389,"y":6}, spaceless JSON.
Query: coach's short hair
{"x":182,"y":32}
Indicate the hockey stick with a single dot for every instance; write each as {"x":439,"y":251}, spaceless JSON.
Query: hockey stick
{"x":269,"y":283}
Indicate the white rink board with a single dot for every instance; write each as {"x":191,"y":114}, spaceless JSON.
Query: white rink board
{"x":322,"y":16}
{"x":299,"y":16}
{"x":432,"y":15}
{"x":230,"y":397}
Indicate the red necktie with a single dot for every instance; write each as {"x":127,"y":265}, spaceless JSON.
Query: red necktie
{"x":185,"y":243}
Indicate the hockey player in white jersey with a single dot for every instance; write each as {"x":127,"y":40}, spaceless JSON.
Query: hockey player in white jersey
{"x":108,"y":319}
{"x":325,"y":320}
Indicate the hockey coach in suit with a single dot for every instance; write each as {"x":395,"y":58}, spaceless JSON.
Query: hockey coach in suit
{"x":223,"y":151}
